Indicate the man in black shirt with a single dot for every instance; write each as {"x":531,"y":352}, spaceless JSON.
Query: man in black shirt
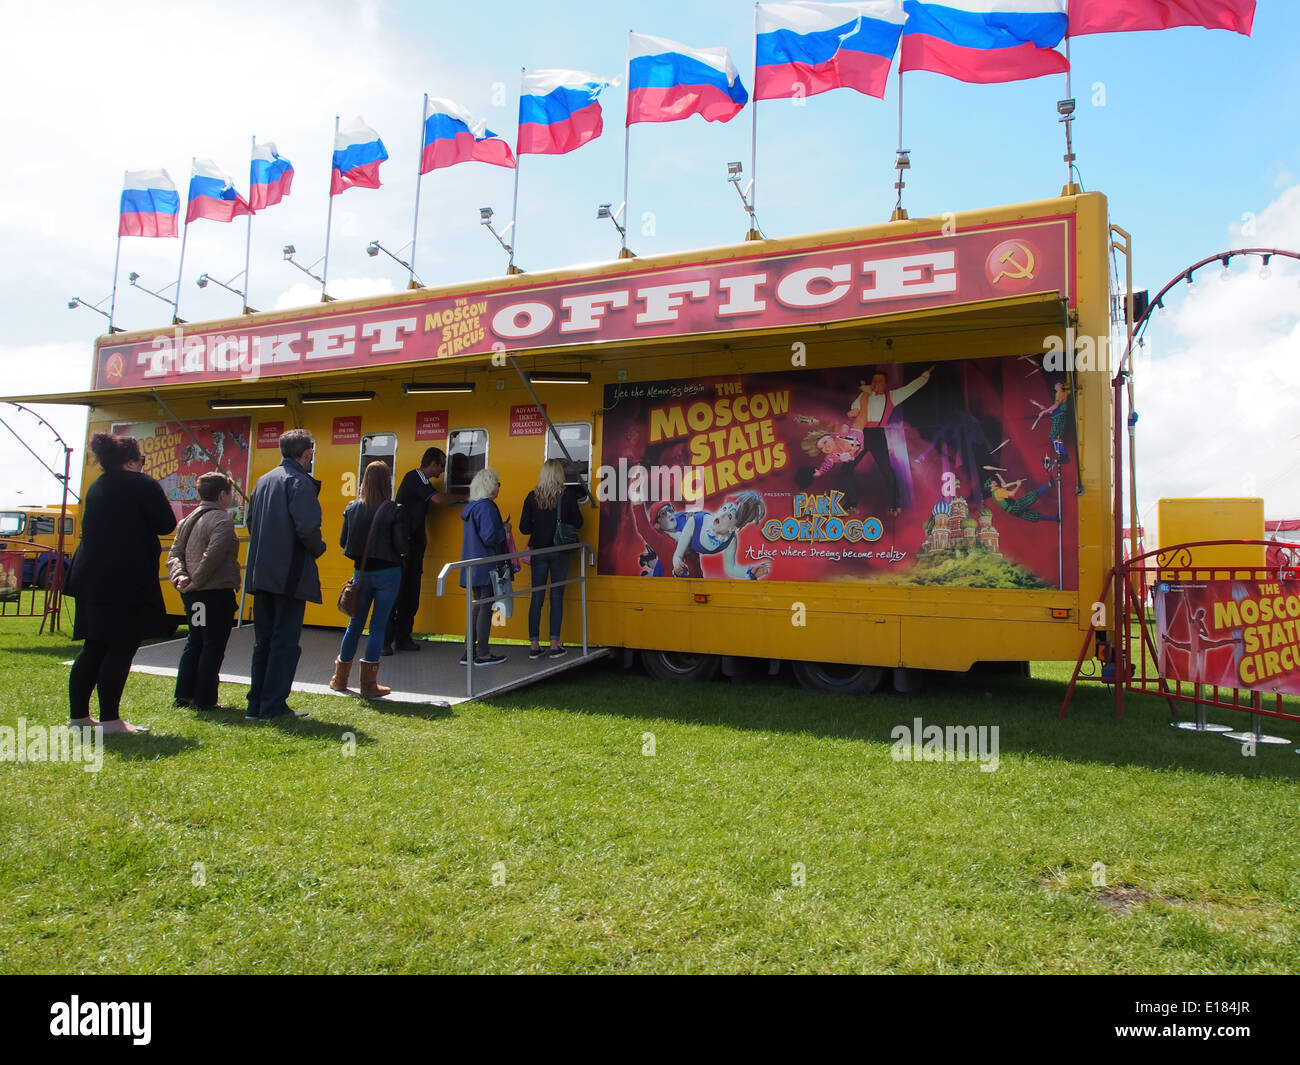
{"x":415,"y":494}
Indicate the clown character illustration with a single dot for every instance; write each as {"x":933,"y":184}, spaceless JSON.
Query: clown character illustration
{"x":870,"y":413}
{"x":829,"y":443}
{"x":1059,"y":411}
{"x":659,"y":534}
{"x":1006,"y":495}
{"x":701,"y":533}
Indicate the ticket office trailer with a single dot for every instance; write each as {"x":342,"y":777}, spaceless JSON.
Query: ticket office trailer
{"x":724,"y":362}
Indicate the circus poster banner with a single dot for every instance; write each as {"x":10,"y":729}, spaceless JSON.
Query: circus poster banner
{"x":11,"y":576}
{"x":176,"y":456}
{"x":1230,"y":633}
{"x":961,"y":474}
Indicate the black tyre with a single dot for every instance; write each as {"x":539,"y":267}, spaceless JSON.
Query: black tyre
{"x":840,"y":679}
{"x":680,"y":666}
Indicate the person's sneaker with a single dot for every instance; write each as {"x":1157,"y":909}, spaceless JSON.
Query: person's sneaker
{"x":388,"y":651}
{"x":286,"y":713}
{"x":407,"y":644}
{"x":250,"y":716}
{"x":557,"y":652}
{"x":491,"y":660}
{"x":464,"y":661}
{"x":535,"y":652}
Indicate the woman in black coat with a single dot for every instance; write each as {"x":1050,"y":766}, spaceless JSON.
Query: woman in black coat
{"x":114,"y":578}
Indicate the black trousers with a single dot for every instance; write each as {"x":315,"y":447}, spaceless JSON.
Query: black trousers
{"x":104,"y":666}
{"x":198,"y":673}
{"x":876,"y":445}
{"x":402,"y":622}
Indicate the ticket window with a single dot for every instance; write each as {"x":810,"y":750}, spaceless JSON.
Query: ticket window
{"x":467,"y":453}
{"x":577,"y":441}
{"x":378,"y":447}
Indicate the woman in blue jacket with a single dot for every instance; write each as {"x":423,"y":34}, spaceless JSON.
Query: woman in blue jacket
{"x":485,"y":535}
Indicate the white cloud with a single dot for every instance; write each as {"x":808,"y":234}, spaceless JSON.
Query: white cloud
{"x":346,"y":288}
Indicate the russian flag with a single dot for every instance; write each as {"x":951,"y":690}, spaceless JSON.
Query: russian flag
{"x":1118,"y":16}
{"x":804,"y":48}
{"x":150,"y":205}
{"x":213,"y":195}
{"x":558,"y":111}
{"x":452,"y":135}
{"x":270,"y":177}
{"x":985,"y":41}
{"x":358,"y":151}
{"x":667,"y":82}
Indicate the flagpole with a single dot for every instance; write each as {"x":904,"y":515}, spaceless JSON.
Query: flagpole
{"x":176,"y":303}
{"x":248,"y":243}
{"x":117,"y":258}
{"x":901,"y":161}
{"x":1065,"y":108}
{"x":329,"y":219}
{"x":514,"y":210}
{"x":627,"y":147}
{"x":753,"y":133}
{"x":419,"y":173}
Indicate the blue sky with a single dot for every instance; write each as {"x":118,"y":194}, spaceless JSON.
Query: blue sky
{"x":1189,"y":132}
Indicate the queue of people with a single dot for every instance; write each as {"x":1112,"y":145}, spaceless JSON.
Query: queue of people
{"x":113,"y":577}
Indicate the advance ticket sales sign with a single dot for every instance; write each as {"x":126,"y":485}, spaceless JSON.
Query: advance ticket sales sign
{"x":838,"y":283}
{"x":1234,"y":634}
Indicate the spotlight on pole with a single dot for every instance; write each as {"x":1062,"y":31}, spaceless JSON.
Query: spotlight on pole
{"x":603,"y":211}
{"x":229,"y":286}
{"x":485,"y":219}
{"x":734,"y":172}
{"x":290,"y":251}
{"x":134,"y":278}
{"x":374,"y":248}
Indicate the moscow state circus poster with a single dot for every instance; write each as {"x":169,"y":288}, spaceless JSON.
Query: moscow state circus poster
{"x":960,"y":474}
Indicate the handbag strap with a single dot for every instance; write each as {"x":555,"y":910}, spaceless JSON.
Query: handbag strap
{"x":370,"y":536}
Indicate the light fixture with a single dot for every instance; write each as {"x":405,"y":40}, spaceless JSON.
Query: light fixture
{"x":374,"y":248}
{"x":1191,"y":281}
{"x":485,"y":219}
{"x":1226,"y":275}
{"x":262,"y":403}
{"x":290,"y":251}
{"x":134,"y":279}
{"x":203,"y":280}
{"x":77,"y":301}
{"x":734,"y":172}
{"x":1264,"y":272}
{"x":603,"y":211}
{"x":335,"y":397}
{"x":433,"y":388}
{"x":558,"y":377}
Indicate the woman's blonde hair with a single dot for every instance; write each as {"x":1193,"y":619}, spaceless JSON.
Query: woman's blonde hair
{"x":550,"y":484}
{"x":485,"y":482}
{"x":376,"y":484}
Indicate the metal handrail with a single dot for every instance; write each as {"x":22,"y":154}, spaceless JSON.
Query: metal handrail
{"x":585,"y":553}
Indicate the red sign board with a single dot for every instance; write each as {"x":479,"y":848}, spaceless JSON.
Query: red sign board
{"x":269,"y":433}
{"x":347,"y":430}
{"x":11,"y":576}
{"x":527,"y":420}
{"x":812,"y":286}
{"x":176,"y":456}
{"x":1231,"y":634}
{"x":431,"y":425}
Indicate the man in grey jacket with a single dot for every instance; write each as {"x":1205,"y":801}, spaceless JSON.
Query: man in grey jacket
{"x":284,"y":541}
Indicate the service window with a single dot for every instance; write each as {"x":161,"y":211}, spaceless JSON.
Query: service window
{"x":377,"y":447}
{"x":467,"y":453}
{"x":577,"y":440}
{"x":12,"y":523}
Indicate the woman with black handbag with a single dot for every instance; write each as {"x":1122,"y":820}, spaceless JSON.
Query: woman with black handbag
{"x":374,"y":537}
{"x":550,"y":517}
{"x":485,"y":535}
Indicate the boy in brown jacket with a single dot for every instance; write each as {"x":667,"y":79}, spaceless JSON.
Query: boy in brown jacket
{"x":204,"y":566}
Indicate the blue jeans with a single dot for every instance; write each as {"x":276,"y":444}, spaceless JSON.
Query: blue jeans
{"x":547,"y":568}
{"x":277,"y":624}
{"x":379,"y":589}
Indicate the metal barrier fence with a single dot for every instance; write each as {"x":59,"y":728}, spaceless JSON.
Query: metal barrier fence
{"x":585,"y":554}
{"x":31,"y":582}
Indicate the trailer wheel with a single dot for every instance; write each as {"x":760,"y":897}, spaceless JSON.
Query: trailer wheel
{"x":840,"y":679}
{"x":680,"y":666}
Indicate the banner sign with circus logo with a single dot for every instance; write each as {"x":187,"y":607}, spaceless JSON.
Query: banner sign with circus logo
{"x":176,"y":456}
{"x":1233,"y":634}
{"x":960,"y":474}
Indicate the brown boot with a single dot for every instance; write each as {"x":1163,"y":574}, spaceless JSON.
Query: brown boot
{"x":342,"y":671}
{"x":370,"y":686}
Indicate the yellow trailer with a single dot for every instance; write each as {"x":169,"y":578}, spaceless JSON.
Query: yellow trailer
{"x":880,"y":447}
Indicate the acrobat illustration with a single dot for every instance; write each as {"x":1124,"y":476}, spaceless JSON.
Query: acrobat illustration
{"x":829,"y":442}
{"x":869,"y":414}
{"x":1006,"y":494}
{"x":1197,"y":646}
{"x":1059,"y":411}
{"x":701,"y":533}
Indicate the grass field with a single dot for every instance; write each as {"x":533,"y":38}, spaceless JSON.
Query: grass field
{"x":532,"y":834}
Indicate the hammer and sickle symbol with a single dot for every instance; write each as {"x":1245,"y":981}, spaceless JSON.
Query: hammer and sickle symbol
{"x":1016,"y":269}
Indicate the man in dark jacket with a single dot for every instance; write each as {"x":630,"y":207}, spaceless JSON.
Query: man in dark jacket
{"x":414,"y":495}
{"x":284,"y":541}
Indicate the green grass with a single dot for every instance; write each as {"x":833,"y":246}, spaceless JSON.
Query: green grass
{"x":384,"y":860}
